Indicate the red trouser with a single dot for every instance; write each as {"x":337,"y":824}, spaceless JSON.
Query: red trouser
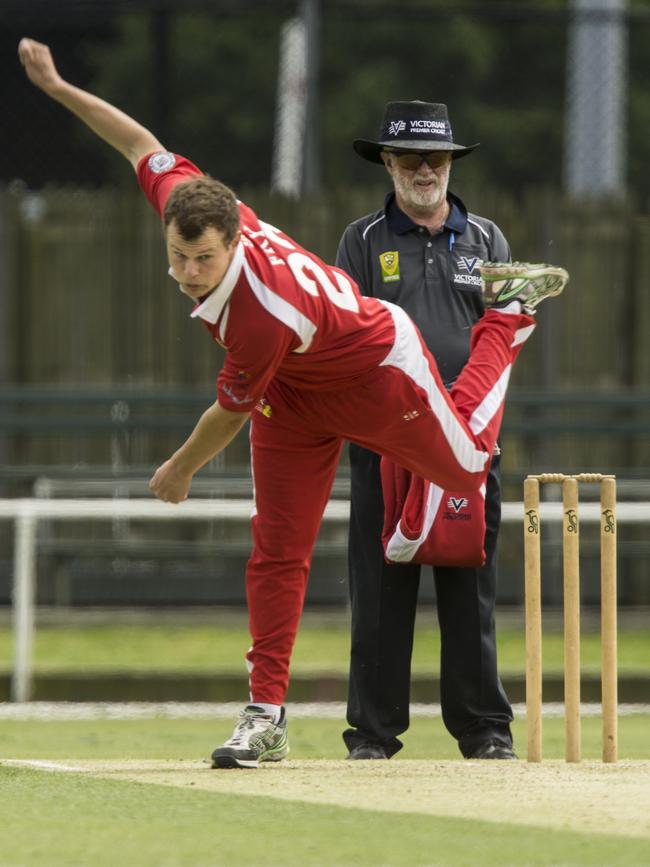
{"x":402,"y":411}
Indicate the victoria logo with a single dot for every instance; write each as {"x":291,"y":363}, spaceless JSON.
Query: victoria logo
{"x":396,"y":127}
{"x":457,"y":503}
{"x":468,"y":264}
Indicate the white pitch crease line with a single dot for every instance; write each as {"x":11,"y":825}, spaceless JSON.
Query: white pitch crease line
{"x":63,"y":711}
{"x":40,"y":765}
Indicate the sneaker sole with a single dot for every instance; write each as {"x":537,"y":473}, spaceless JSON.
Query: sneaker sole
{"x":228,"y":760}
{"x":505,"y":275}
{"x":232,"y":762}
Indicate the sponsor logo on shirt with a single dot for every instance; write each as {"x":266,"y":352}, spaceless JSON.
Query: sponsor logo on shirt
{"x":456,"y":510}
{"x":465,"y":263}
{"x":161,"y":162}
{"x":468,"y":271}
{"x":389,"y":263}
{"x":233,"y":397}
{"x":265,"y":408}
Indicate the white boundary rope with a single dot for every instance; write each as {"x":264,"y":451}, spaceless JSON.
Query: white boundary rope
{"x":42,"y":711}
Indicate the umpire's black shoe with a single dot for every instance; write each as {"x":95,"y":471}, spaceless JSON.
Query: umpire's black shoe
{"x":493,"y":750}
{"x":367,"y":751}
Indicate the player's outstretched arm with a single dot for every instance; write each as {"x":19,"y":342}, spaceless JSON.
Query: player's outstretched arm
{"x":214,"y":430}
{"x":109,"y":123}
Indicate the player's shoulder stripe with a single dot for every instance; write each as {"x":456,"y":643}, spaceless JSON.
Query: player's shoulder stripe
{"x":281,"y":309}
{"x":370,"y":225}
{"x":481,"y":228}
{"x":223,"y":324}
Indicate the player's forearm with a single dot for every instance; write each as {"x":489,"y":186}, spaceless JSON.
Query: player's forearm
{"x":109,"y":123}
{"x":216,"y":428}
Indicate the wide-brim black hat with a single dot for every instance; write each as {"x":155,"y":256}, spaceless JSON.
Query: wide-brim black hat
{"x":412,"y":126}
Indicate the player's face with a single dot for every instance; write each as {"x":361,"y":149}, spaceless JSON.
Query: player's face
{"x":199,"y":265}
{"x":420,"y":180}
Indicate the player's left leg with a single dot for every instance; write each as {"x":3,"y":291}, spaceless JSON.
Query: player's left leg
{"x":293,"y":471}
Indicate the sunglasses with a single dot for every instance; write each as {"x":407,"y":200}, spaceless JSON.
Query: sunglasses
{"x":412,"y":160}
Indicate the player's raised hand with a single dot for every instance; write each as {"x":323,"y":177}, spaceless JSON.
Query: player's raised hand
{"x":39,"y":65}
{"x":116,"y":128}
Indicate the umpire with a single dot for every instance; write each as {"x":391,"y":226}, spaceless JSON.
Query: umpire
{"x":421,"y":250}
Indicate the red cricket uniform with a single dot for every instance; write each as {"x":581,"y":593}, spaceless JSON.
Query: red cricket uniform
{"x":323,"y":364}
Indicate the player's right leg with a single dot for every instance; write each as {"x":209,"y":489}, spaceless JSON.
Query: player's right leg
{"x":466,"y":422}
{"x":293,"y":471}
{"x":403,"y":411}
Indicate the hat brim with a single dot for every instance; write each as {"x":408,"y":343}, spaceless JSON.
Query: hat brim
{"x":371,"y":150}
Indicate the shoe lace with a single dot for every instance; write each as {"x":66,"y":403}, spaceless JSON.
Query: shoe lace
{"x":247,"y":726}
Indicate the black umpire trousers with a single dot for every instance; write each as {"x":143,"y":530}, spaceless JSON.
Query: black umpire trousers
{"x":384,"y":602}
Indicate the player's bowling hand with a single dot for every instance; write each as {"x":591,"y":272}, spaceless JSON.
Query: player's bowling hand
{"x":38,"y":63}
{"x":170,"y":485}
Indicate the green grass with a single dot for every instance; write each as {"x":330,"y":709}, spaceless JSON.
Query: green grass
{"x":318,"y":648}
{"x":61,"y":820}
{"x":64,"y":820}
{"x":309,"y":738}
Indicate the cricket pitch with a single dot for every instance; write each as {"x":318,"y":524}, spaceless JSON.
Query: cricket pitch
{"x":588,"y":797}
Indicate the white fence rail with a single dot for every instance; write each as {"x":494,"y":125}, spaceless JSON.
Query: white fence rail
{"x":27,"y":512}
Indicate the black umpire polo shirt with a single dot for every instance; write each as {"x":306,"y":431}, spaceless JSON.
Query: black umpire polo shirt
{"x":435,"y":278}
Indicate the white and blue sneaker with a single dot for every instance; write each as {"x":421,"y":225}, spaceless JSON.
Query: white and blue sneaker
{"x":256,"y":738}
{"x":526,"y":282}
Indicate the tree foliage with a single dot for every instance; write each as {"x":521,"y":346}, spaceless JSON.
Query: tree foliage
{"x":212,"y":93}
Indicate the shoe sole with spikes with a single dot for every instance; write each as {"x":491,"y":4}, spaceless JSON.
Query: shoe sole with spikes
{"x":526,"y":282}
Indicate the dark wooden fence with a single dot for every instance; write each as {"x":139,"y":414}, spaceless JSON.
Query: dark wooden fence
{"x":87,"y":305}
{"x":102,"y":372}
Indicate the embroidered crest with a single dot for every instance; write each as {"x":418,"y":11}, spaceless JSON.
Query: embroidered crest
{"x":161,"y":162}
{"x":467,"y":263}
{"x":389,"y":263}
